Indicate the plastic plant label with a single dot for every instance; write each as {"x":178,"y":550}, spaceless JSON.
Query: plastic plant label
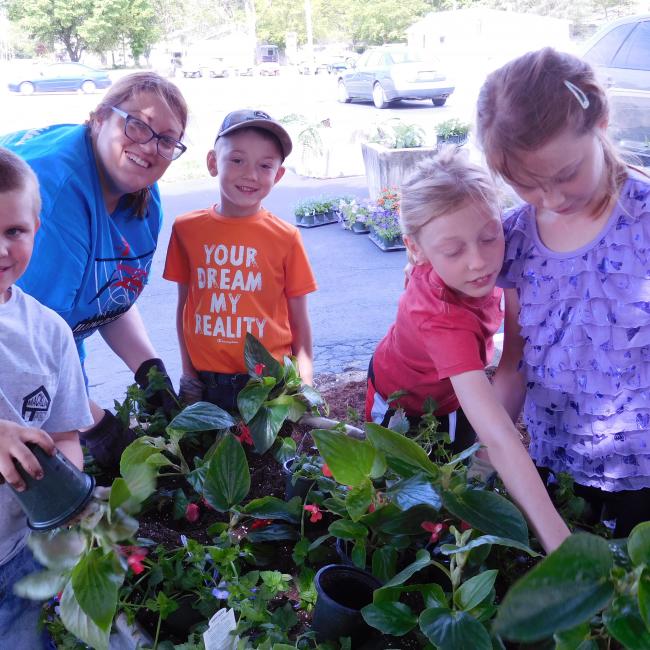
{"x":217,"y":636}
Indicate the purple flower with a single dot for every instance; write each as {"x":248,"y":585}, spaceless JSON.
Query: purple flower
{"x":220,"y":591}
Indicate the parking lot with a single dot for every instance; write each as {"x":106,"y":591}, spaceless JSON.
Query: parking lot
{"x":313,"y":96}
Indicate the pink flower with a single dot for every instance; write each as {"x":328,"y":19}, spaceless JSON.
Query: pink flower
{"x":192,"y":512}
{"x":435,"y":530}
{"x":135,"y":562}
{"x":372,"y":507}
{"x":259,"y":368}
{"x":326,"y":471}
{"x":245,"y":436}
{"x":316,"y":514}
{"x":135,"y":555}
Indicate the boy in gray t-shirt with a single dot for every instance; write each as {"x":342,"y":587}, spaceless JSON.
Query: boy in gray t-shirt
{"x":42,"y":394}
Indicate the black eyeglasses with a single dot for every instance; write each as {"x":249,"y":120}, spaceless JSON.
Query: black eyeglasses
{"x":140,"y":132}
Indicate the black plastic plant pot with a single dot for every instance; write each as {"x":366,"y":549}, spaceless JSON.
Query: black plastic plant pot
{"x":59,"y":496}
{"x":342,"y":592}
{"x":301,"y":486}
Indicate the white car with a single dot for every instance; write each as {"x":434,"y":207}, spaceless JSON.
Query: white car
{"x":386,"y":74}
{"x":206,"y":67}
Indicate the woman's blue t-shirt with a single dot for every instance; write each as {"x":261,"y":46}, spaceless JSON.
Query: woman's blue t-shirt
{"x":88,"y":265}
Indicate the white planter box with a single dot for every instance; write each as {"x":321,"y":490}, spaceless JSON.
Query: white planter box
{"x":390,"y":167}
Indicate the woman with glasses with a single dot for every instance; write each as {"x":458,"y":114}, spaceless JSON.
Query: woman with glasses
{"x":100,"y":222}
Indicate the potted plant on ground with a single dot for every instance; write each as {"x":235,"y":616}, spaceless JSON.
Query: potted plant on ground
{"x":392,"y":151}
{"x":354,"y":215}
{"x":383,"y":221}
{"x":316,"y":212}
{"x":304,"y":213}
{"x":452,"y":131}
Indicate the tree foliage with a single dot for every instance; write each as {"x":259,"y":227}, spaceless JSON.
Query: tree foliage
{"x":104,"y":25}
{"x":89,"y":25}
{"x":363,"y":22}
{"x":53,"y":21}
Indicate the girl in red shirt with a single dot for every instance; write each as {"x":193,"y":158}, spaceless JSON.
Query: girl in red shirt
{"x":441,"y":340}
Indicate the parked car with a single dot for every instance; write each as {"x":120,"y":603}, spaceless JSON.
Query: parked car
{"x":389,"y":73}
{"x":621,"y":52}
{"x":60,"y":77}
{"x":213,"y":66}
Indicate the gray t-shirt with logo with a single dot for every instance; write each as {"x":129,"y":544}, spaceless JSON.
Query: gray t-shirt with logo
{"x":41,"y":386}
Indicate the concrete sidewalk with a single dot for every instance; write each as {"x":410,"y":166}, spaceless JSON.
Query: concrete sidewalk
{"x":358,"y":286}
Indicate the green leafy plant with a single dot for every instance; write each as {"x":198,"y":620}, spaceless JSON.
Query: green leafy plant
{"x":452,"y":129}
{"x":305,"y":208}
{"x":274,"y":393}
{"x":392,"y":505}
{"x":307,"y":133}
{"x":395,"y":134}
{"x":87,"y":562}
{"x":608,"y":584}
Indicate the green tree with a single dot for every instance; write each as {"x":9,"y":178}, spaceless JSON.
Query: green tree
{"x":53,"y":21}
{"x":360,"y":21}
{"x":94,"y":25}
{"x":384,"y":21}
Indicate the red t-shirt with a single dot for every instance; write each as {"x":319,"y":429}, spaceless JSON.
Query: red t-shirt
{"x":438,"y":333}
{"x":240,"y":273}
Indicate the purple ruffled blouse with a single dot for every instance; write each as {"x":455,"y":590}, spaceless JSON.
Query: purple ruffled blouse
{"x":585,"y":321}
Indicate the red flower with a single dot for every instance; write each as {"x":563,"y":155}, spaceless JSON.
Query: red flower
{"x":245,"y":436}
{"x":326,"y":470}
{"x":261,"y":523}
{"x":259,"y":368}
{"x":372,"y":507}
{"x":192,"y":512}
{"x":135,"y":555}
{"x":316,"y":514}
{"x":435,"y":529}
{"x":464,"y":526}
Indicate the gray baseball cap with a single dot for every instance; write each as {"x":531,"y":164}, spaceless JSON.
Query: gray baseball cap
{"x":247,"y":118}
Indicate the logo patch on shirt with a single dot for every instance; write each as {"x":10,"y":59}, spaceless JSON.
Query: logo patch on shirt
{"x":36,"y":405}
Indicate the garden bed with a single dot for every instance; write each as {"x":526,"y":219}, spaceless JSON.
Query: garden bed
{"x":215,"y":534}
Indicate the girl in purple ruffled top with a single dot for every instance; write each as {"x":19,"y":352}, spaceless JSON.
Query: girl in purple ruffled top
{"x":577,"y":279}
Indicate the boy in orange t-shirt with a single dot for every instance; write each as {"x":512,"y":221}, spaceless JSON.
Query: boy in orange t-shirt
{"x":239,"y":268}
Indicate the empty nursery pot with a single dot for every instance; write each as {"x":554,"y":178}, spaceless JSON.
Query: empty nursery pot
{"x":59,"y":496}
{"x":301,"y":486}
{"x":342,"y":592}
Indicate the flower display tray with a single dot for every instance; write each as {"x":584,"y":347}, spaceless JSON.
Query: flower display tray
{"x":360,"y":229}
{"x":318,"y":220}
{"x":393,"y":244}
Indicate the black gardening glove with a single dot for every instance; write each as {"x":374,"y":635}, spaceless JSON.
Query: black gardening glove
{"x":107,"y":440}
{"x":159,"y":392}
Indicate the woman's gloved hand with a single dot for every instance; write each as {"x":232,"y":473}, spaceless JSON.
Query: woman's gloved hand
{"x":159,"y":391}
{"x":107,"y":440}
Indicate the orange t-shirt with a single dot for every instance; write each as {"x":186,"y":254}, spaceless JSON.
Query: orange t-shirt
{"x":240,"y":271}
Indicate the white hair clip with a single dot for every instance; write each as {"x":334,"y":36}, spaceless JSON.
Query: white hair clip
{"x":578,"y":93}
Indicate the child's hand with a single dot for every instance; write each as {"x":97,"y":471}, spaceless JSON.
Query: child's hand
{"x":13,"y":447}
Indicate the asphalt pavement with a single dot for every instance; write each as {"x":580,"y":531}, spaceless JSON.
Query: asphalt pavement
{"x":358,"y":286}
